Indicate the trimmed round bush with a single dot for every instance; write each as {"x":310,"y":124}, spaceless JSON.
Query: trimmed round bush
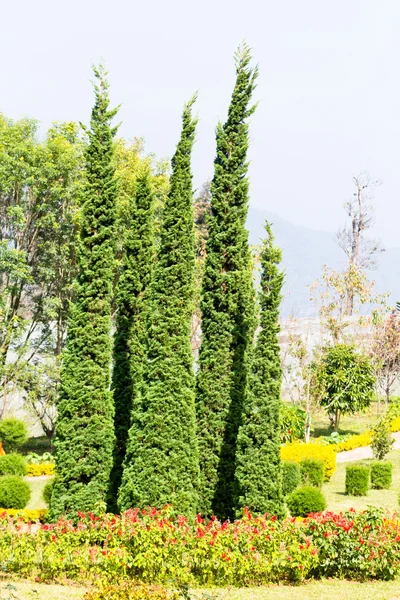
{"x":312,"y":472}
{"x":290,"y":476}
{"x":357,"y":480}
{"x":381,"y":475}
{"x":13,"y":434}
{"x":12,"y":464}
{"x":14,"y":492}
{"x":306,"y":500}
{"x":47,"y":491}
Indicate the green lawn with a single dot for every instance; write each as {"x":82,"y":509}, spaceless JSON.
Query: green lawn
{"x":315,"y":590}
{"x":37,"y":484}
{"x":349,"y":424}
{"x":338,"y":501}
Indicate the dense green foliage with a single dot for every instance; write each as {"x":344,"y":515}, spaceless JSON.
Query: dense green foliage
{"x":382,"y":439}
{"x":293,"y":422}
{"x":312,"y":472}
{"x":291,"y":476}
{"x":305,"y":500}
{"x":227,"y":303}
{"x":381,"y":475}
{"x":13,"y":434}
{"x":357,"y":480}
{"x":161,"y":463}
{"x":84,"y":432}
{"x":13,"y":464}
{"x":47,"y":492}
{"x":14,"y":492}
{"x":132,"y":300}
{"x":258,"y":463}
{"x":344,"y":381}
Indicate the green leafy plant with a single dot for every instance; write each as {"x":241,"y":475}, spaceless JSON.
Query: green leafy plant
{"x":305,"y":500}
{"x":13,"y":434}
{"x":34,"y":459}
{"x":14,"y":492}
{"x":344,"y":381}
{"x":382,"y":439}
{"x":293,"y":422}
{"x":13,"y":464}
{"x":291,"y":476}
{"x":312,"y":472}
{"x":357,"y":480}
{"x":381,"y":475}
{"x":47,"y":491}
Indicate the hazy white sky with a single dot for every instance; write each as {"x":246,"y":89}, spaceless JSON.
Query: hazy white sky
{"x":329,"y":86}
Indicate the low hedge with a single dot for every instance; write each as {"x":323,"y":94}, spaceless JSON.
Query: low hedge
{"x":128,"y":590}
{"x":312,"y":472}
{"x":357,"y":480}
{"x":12,"y":464}
{"x":290,"y":476}
{"x":298,"y":451}
{"x":36,"y":470}
{"x":25,"y":515}
{"x":381,"y":475}
{"x":306,"y":500}
{"x":14,"y":492}
{"x":160,"y":548}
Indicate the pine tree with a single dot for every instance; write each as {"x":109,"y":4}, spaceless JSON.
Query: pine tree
{"x":132,"y":302}
{"x":258,"y":463}
{"x":227,"y":303}
{"x":161,"y":463}
{"x":85,"y":431}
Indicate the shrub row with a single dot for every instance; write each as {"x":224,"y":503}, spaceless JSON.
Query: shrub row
{"x":26,"y":515}
{"x":362,"y":439}
{"x":360,"y":477}
{"x":157,"y":547}
{"x":298,"y":451}
{"x":35,"y":470}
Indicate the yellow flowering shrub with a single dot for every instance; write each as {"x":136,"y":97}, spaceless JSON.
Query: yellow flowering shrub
{"x":395,"y":425}
{"x":356,"y":441}
{"x":40,"y":469}
{"x":27,"y":514}
{"x":297,"y":451}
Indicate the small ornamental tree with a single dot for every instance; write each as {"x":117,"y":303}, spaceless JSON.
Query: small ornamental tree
{"x":132,"y":301}
{"x":161,"y":462}
{"x":344,"y":380}
{"x":258,"y":463}
{"x":84,"y":436}
{"x":227,"y":304}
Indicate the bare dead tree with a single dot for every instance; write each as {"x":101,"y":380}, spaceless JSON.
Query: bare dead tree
{"x":361,"y":250}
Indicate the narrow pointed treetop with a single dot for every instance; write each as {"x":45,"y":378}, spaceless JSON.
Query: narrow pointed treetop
{"x":227,"y":305}
{"x":85,"y":431}
{"x":161,"y":463}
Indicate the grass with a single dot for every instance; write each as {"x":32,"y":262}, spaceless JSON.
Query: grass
{"x":314,"y":590}
{"x":337,"y":500}
{"x":349,"y":424}
{"x":36,"y":484}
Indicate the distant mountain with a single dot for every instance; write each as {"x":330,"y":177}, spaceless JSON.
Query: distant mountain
{"x":306,"y":251}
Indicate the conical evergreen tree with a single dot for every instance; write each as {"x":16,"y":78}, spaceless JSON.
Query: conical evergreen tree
{"x":227,"y":303}
{"x":84,"y":437}
{"x":258,"y":463}
{"x":161,"y":463}
{"x":132,"y":302}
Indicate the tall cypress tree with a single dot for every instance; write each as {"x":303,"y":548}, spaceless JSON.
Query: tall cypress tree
{"x":132,"y":301}
{"x":227,"y":302}
{"x":85,"y":431}
{"x":258,"y":463}
{"x":161,"y":463}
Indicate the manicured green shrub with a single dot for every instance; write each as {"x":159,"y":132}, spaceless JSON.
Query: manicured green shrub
{"x":47,"y":491}
{"x":381,"y":475}
{"x":14,"y":492}
{"x":382,"y":439}
{"x":12,"y":464}
{"x":291,"y":476}
{"x":357,"y":480}
{"x":312,"y":472}
{"x":13,"y":434}
{"x":305,"y":500}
